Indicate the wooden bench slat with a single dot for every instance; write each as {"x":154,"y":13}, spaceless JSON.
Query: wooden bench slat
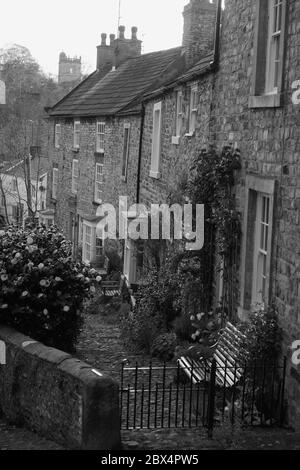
{"x":227,"y":352}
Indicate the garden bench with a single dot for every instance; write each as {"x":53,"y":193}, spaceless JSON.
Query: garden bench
{"x":111,"y":288}
{"x":227,"y":353}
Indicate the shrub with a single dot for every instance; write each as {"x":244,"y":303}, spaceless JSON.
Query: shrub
{"x":42,"y":289}
{"x":164,"y":346}
{"x":263,"y":336}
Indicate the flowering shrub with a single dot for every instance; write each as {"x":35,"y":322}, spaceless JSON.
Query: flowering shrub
{"x":41,"y":288}
{"x":207,"y":327}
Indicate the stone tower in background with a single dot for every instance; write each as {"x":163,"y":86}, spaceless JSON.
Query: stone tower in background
{"x":69,"y":69}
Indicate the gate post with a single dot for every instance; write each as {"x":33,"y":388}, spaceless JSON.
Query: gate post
{"x":211,"y":399}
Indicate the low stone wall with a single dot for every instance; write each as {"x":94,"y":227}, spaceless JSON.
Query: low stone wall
{"x":56,"y":395}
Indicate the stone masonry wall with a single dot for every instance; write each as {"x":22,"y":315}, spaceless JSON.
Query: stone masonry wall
{"x":57,"y":396}
{"x":269,"y":140}
{"x":113,"y":186}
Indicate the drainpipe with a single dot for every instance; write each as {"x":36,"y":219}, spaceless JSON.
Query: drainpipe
{"x":214,"y":64}
{"x":138,"y":183}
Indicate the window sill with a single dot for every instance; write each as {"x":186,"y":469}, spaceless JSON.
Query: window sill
{"x":155,"y":174}
{"x":75,"y":149}
{"x":99,"y":153}
{"x":124,"y":179}
{"x":175,"y":139}
{"x":97,"y":203}
{"x":266,"y":101}
{"x":243,"y":314}
{"x":190,"y":134}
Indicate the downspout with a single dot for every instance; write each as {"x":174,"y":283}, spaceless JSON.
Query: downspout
{"x":215,"y":63}
{"x":138,"y":183}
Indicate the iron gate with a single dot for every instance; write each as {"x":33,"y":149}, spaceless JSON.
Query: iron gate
{"x":154,"y":396}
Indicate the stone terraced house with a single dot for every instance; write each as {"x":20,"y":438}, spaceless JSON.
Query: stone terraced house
{"x":239,"y":85}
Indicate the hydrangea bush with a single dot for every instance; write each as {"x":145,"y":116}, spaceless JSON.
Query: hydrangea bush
{"x":41,"y":288}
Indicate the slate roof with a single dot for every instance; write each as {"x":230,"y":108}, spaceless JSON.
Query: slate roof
{"x":121,"y":90}
{"x":201,"y":67}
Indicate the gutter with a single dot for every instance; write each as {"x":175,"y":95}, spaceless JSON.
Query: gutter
{"x":215,"y":63}
{"x":138,"y":183}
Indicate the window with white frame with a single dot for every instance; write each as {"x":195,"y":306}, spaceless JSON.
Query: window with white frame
{"x":100,"y":136}
{"x":54,"y":182}
{"x":87,"y":243}
{"x":179,"y":112}
{"x":75,"y":176}
{"x":125,"y":150}
{"x":92,"y":244}
{"x":193,"y":109}
{"x":14,"y":184}
{"x":261,"y":250}
{"x":268,"y":53}
{"x":156,"y":141}
{"x":99,"y":182}
{"x":257,"y":243}
{"x":57,"y":135}
{"x":274,"y":38}
{"x":76,"y":134}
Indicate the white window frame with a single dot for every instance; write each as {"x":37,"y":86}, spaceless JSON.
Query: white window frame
{"x":193,"y":109}
{"x":261,"y":250}
{"x":76,"y":131}
{"x":255,"y":187}
{"x":156,"y":141}
{"x":75,"y":176}
{"x":100,"y":136}
{"x":54,"y":182}
{"x":87,"y":245}
{"x":57,"y":136}
{"x":89,"y":242}
{"x":98,"y":182}
{"x":126,"y":147}
{"x":14,"y":184}
{"x":275,"y":14}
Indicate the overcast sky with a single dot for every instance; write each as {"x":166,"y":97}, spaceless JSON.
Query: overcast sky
{"x":74,"y":26}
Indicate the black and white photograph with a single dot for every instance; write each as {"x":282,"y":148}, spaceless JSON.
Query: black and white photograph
{"x":149,"y":228}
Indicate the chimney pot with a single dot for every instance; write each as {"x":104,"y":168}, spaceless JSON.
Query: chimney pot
{"x":134,"y":32}
{"x":122,"y":32}
{"x":103,"y":39}
{"x":112,"y":37}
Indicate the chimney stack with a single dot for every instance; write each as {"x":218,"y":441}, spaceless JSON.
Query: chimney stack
{"x":134,"y":33}
{"x":112,"y":38}
{"x":199,"y":29}
{"x":119,"y":49}
{"x":103,"y":39}
{"x":121,"y":32}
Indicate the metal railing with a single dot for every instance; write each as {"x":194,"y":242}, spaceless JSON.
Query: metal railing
{"x":156,"y":396}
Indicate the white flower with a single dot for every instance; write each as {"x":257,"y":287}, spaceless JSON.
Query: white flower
{"x":41,"y":266}
{"x":29,"y":241}
{"x":192,"y":317}
{"x":98,"y":278}
{"x":58,"y":279}
{"x":25,"y":293}
{"x":4,"y":277}
{"x":45,"y":311}
{"x":4,"y":306}
{"x":66,"y":308}
{"x":200,"y":315}
{"x":18,"y":255}
{"x":92,"y":289}
{"x":194,"y":337}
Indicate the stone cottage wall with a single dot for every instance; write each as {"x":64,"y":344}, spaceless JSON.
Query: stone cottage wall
{"x":269,"y":140}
